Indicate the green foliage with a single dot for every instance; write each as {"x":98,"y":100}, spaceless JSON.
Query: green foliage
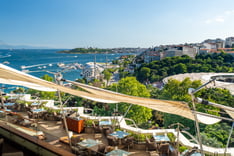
{"x":43,"y":94}
{"x":88,"y":123}
{"x":141,"y":137}
{"x":176,"y":90}
{"x":19,"y":90}
{"x":183,"y":64}
{"x":86,"y":50}
{"x":182,"y":148}
{"x":210,"y":141}
{"x":218,"y":95}
{"x":107,"y":75}
{"x":218,"y":132}
{"x":47,"y":78}
{"x":171,"y":136}
{"x":131,"y":86}
{"x":145,"y":73}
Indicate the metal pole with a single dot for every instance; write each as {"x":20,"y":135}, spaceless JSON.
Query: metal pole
{"x":126,"y":112}
{"x":61,"y":106}
{"x":178,"y":130}
{"x":197,"y":125}
{"x":95,"y":66}
{"x":229,"y":137}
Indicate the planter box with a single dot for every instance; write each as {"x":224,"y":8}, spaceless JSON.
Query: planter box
{"x":75,"y":125}
{"x":140,"y":146}
{"x":89,"y":130}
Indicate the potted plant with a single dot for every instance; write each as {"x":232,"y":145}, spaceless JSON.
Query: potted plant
{"x":139,"y":141}
{"x":89,"y":126}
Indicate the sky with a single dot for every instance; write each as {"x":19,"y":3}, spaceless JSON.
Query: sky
{"x":114,"y":23}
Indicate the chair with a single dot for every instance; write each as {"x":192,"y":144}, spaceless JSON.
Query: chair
{"x":19,"y":153}
{"x":107,"y":131}
{"x":75,"y":140}
{"x":101,"y":150}
{"x":1,"y":145}
{"x":191,"y":151}
{"x":25,"y":123}
{"x":150,"y":145}
{"x":30,"y":114}
{"x":128,"y":142}
{"x":97,"y":129}
{"x":112,"y":141}
{"x":164,"y":149}
{"x":97,"y":136}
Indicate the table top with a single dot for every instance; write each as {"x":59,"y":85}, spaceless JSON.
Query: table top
{"x":12,"y":98}
{"x":118,"y":152}
{"x":35,"y":104}
{"x":38,"y":110}
{"x":119,"y":134}
{"x":9,"y":104}
{"x":88,"y":143}
{"x":161,"y":138}
{"x":105,"y":122}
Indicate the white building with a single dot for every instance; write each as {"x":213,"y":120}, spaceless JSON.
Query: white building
{"x":179,"y":51}
{"x":229,"y":42}
{"x":92,"y":70}
{"x":209,"y":46}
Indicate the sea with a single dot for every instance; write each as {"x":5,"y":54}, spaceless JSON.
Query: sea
{"x":38,"y":62}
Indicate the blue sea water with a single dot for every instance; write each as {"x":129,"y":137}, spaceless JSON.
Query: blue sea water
{"x":41,"y":59}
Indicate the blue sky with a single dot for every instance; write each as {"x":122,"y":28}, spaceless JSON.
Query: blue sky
{"x":113,"y":23}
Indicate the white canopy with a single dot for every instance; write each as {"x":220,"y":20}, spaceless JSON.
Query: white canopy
{"x":12,"y":76}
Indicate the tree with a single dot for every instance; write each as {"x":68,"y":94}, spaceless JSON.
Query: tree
{"x":131,"y":86}
{"x":219,"y":131}
{"x":107,"y":76}
{"x":176,"y":90}
{"x":144,"y":73}
{"x":180,"y":68}
{"x":43,"y":94}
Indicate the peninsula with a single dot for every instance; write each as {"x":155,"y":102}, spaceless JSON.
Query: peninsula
{"x":98,"y":50}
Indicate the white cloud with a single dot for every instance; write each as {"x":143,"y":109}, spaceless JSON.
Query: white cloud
{"x":229,"y":12}
{"x":221,"y":18}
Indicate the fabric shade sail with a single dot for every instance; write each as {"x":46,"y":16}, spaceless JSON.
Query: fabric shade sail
{"x":100,"y":95}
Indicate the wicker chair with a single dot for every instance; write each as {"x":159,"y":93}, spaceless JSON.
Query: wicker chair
{"x":30,"y":114}
{"x":112,"y":141}
{"x":107,"y":131}
{"x":164,"y":149}
{"x":97,"y":129}
{"x":1,"y":145}
{"x":101,"y":150}
{"x":150,"y":145}
{"x":128,"y":142}
{"x":75,"y":140}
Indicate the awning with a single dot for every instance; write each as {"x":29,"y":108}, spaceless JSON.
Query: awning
{"x":8,"y":75}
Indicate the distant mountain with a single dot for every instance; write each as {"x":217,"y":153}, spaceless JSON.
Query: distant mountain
{"x":7,"y":46}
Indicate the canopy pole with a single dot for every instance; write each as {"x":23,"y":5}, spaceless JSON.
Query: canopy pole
{"x":229,"y":137}
{"x":58,"y":77}
{"x":197,"y":126}
{"x":126,"y":113}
